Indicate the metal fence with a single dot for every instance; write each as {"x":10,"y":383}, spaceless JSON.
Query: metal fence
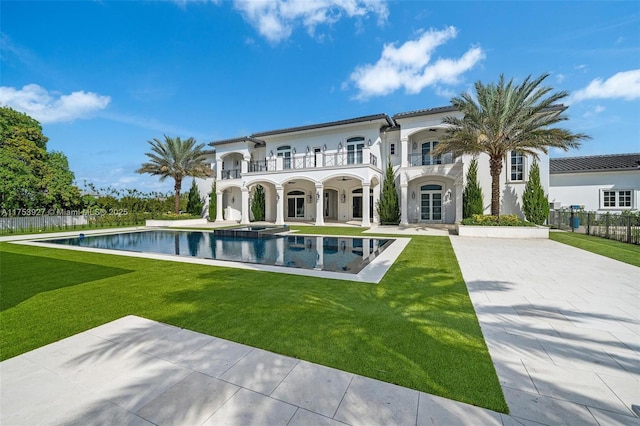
{"x":620,"y":227}
{"x":45,"y":223}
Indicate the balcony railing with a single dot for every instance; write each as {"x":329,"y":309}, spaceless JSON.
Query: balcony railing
{"x":429,"y":160}
{"x":231,"y":174}
{"x":309,"y":161}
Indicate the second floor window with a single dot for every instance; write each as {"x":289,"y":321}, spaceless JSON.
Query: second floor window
{"x":517,"y":166}
{"x":427,"y":158}
{"x":285,"y":153}
{"x":392,"y":149}
{"x":354,"y":150}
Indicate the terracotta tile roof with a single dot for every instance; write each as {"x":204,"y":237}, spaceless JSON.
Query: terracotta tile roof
{"x":595,"y":163}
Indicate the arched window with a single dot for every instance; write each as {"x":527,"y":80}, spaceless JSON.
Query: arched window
{"x":354,"y":150}
{"x":285,"y":153}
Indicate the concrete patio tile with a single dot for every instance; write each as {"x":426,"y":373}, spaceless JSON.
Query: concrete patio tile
{"x":133,"y":330}
{"x":247,"y":408}
{"x":511,"y":347}
{"x":40,"y":394}
{"x":614,"y":419}
{"x":514,"y":375}
{"x":575,"y":386}
{"x":178,"y":345}
{"x":102,"y":413}
{"x":304,"y":417}
{"x":216,"y":357}
{"x":516,"y":421}
{"x":626,"y":388}
{"x":370,"y":401}
{"x":14,"y":369}
{"x":546,"y":410}
{"x":434,"y":410}
{"x":314,"y":387}
{"x":191,"y":401}
{"x":142,"y":384}
{"x":260,"y":371}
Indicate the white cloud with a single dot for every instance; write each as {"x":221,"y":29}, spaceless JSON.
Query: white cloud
{"x":624,"y":85}
{"x":594,"y":111}
{"x":46,"y":107}
{"x":276,"y":19}
{"x":410,"y":66}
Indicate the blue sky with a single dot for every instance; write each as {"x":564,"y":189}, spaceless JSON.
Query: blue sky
{"x":105,"y":77}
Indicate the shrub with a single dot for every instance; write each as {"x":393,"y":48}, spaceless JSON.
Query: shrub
{"x":258,"y":203}
{"x":535,"y":203}
{"x":472,"y":195}
{"x":488,"y":220}
{"x":388,"y":206}
{"x":194,"y":203}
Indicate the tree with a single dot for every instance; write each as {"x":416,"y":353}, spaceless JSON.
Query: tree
{"x":213,"y":203}
{"x":31,"y":177}
{"x":507,"y":117}
{"x":534,"y":201}
{"x":177,"y":159}
{"x":194,"y":203}
{"x":388,"y":206}
{"x":257,"y":205}
{"x":472,"y":199}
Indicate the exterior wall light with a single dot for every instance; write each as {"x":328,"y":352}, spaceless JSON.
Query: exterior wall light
{"x":339,"y":145}
{"x":413,"y":195}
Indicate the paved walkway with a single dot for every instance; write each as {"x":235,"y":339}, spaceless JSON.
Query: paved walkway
{"x":562,"y":326}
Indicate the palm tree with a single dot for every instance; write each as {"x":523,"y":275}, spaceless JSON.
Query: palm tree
{"x":504,"y":118}
{"x":177,"y":159}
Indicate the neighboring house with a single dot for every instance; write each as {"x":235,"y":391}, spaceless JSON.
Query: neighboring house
{"x":334,"y":171}
{"x":605,"y":183}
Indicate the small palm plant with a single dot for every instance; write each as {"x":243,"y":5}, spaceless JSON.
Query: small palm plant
{"x":177,"y":159}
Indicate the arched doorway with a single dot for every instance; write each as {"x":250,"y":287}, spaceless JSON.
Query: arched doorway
{"x":356,"y":203}
{"x":295,"y":204}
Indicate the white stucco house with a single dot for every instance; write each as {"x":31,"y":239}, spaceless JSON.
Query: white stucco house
{"x":602,"y":183}
{"x":333,"y":172}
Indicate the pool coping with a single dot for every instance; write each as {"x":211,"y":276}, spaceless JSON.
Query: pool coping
{"x":373,"y":272}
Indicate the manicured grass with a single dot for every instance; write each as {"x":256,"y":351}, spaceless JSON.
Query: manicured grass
{"x":627,"y":253}
{"x":416,"y":328}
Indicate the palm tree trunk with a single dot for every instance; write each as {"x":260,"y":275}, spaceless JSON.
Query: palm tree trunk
{"x":495,"y":168}
{"x":177,"y":187}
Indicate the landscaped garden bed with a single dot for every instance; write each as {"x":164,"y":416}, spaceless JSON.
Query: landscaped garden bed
{"x":506,"y":226}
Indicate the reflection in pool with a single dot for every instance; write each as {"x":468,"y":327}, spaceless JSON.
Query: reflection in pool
{"x":337,"y":254}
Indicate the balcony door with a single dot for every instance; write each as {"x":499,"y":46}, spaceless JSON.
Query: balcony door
{"x":285,"y":153}
{"x":427,"y":158}
{"x":354,"y":150}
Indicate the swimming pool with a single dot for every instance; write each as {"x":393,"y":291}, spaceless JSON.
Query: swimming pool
{"x":321,"y":253}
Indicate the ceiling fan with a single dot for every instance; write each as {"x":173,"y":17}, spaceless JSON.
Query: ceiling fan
{"x":342,"y":179}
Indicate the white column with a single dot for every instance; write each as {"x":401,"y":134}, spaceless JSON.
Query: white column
{"x":404,"y":219}
{"x":366,"y":155}
{"x":366,"y":204}
{"x":245,"y":205}
{"x":376,"y":200}
{"x":457,"y":189}
{"x":404,"y":152}
{"x":219,"y":206}
{"x":244,"y":166}
{"x":218,"y":169}
{"x":279,"y":205}
{"x":319,"y":196}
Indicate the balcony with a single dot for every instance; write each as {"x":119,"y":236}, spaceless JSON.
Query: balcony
{"x":313,"y":161}
{"x":429,"y":160}
{"x":230,"y":174}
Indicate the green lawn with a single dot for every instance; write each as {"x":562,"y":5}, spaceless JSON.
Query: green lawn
{"x":627,"y":253}
{"x":416,"y":328}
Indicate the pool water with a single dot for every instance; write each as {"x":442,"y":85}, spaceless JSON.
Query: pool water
{"x":337,"y":254}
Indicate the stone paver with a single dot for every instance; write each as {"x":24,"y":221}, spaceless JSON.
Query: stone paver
{"x":562,"y":327}
{"x":561,"y":324}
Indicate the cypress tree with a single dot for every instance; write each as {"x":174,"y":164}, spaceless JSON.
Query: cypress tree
{"x":472,"y":195}
{"x":194,"y":203}
{"x":535,"y":203}
{"x":213,"y":203}
{"x":388,"y":206}
{"x":257,"y":205}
